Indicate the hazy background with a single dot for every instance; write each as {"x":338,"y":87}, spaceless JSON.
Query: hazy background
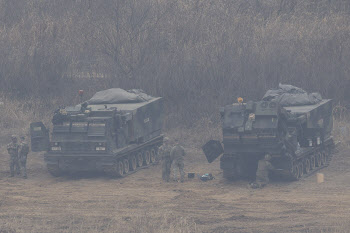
{"x":198,"y":54}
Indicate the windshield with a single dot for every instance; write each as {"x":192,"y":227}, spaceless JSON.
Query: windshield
{"x":79,"y":127}
{"x":97,"y":129}
{"x":62,"y":128}
{"x":233,"y":119}
{"x":92,"y":128}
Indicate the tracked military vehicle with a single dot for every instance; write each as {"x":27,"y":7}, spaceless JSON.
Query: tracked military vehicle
{"x":295,"y":129}
{"x":116,"y":131}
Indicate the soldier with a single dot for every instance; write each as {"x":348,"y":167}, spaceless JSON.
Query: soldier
{"x":23,"y":152}
{"x":164,"y":152}
{"x":262,"y":173}
{"x":12,"y":149}
{"x":177,"y":154}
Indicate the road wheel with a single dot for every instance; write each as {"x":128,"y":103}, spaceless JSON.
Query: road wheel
{"x":126,"y":166}
{"x":295,"y":171}
{"x":139,"y":159}
{"x":318,"y":160}
{"x":301,"y":169}
{"x":120,"y":168}
{"x":147,"y":157}
{"x":307,"y":165}
{"x":133,"y":163}
{"x":153,"y":155}
{"x":313,"y":162}
{"x":323,"y":158}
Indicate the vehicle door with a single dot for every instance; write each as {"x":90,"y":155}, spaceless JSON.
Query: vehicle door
{"x":39,"y":136}
{"x":212,"y":150}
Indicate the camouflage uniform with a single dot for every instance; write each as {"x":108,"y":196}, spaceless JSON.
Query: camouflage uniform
{"x":12,"y":149}
{"x":164,"y":152}
{"x":262,"y":173}
{"x":23,"y":152}
{"x":177,"y":154}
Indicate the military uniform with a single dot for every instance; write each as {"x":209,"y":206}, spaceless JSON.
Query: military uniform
{"x":13,"y":149}
{"x":177,"y":154}
{"x":23,"y":152}
{"x":164,"y":152}
{"x":262,"y":173}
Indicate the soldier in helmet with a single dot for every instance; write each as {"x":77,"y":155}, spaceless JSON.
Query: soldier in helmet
{"x":13,"y":149}
{"x":177,"y":154}
{"x":164,"y":152}
{"x":262,"y":173}
{"x":23,"y":152}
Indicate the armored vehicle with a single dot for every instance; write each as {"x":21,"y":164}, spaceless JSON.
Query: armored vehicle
{"x":116,"y":131}
{"x":298,"y":137}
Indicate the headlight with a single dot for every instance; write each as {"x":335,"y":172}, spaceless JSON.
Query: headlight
{"x":101,"y":148}
{"x":55,"y":148}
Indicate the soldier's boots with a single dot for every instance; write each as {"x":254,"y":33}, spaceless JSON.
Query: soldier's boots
{"x":18,"y":168}
{"x":24,"y":169}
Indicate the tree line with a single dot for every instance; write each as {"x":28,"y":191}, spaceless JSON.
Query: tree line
{"x":198,"y":54}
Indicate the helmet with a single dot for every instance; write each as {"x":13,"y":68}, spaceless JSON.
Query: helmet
{"x":14,"y":137}
{"x":267,"y":157}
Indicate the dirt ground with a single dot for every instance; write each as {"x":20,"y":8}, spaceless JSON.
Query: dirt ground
{"x":142,"y":203}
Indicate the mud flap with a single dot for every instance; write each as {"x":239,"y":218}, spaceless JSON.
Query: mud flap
{"x":39,"y":136}
{"x":212,"y":150}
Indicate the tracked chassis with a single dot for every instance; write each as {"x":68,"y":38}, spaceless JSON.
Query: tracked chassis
{"x":298,"y":138}
{"x":305,"y":163}
{"x":121,"y":163}
{"x":119,"y":132}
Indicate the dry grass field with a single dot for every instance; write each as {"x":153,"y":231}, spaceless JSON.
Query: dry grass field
{"x":197,"y":55}
{"x":143,"y":203}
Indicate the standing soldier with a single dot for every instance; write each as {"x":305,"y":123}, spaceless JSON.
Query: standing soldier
{"x":23,"y":152}
{"x":262,"y":173}
{"x":177,"y":154}
{"x":12,"y":149}
{"x":164,"y":152}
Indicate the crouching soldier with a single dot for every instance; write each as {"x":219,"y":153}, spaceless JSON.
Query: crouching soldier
{"x":177,"y":154}
{"x":164,"y":152}
{"x":13,"y":149}
{"x":262,"y":173}
{"x":23,"y":152}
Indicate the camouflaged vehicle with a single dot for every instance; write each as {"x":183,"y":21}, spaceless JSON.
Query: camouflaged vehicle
{"x":297,"y":137}
{"x":117,"y":137}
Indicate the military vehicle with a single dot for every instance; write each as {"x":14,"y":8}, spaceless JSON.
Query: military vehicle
{"x":116,"y":131}
{"x":297,"y":137}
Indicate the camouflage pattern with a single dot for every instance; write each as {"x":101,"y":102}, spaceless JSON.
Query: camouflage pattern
{"x":164,"y":152}
{"x":177,"y":154}
{"x":23,"y":152}
{"x":12,"y":149}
